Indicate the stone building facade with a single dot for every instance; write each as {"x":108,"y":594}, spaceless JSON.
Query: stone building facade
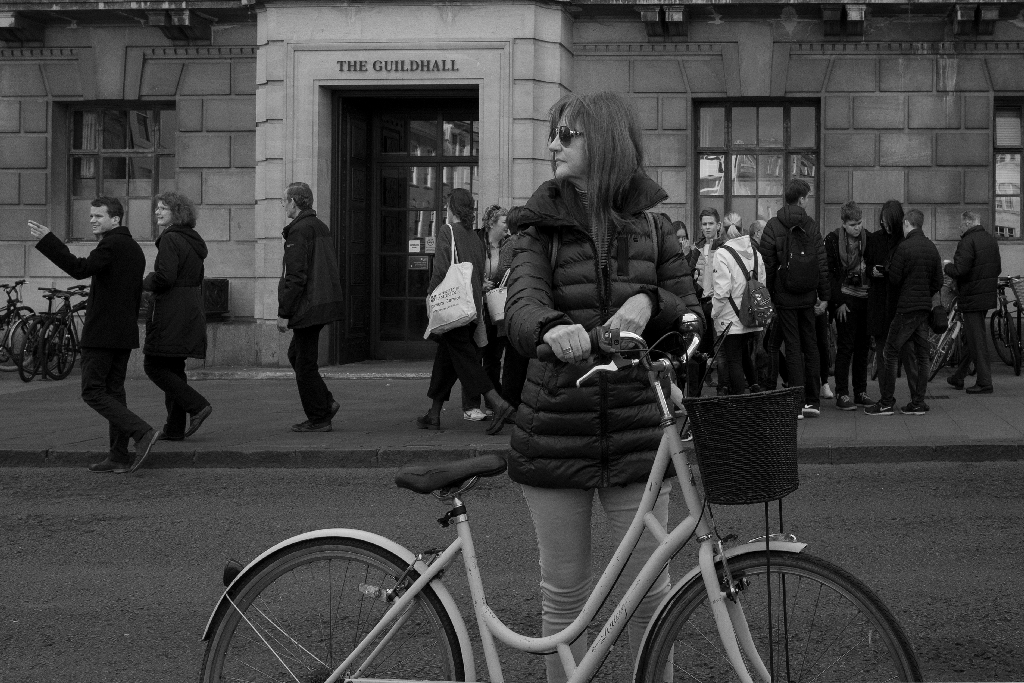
{"x":383,"y":107}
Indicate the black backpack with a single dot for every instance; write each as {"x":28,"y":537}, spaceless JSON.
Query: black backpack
{"x":755,"y":309}
{"x":799,"y":273}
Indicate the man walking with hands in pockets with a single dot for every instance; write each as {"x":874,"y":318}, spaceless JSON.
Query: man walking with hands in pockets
{"x":309,"y":297}
{"x":111,"y":327}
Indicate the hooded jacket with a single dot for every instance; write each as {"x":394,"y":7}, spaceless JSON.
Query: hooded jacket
{"x":976,"y":266}
{"x":881,"y":297}
{"x":177,"y":321}
{"x":606,"y":432}
{"x":116,"y":266}
{"x":790,"y":231}
{"x":309,"y":292}
{"x":729,"y":281}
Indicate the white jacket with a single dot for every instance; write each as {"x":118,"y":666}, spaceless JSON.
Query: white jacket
{"x":728,"y":279}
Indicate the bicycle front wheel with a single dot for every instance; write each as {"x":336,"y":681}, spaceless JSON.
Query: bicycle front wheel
{"x":825,"y":626}
{"x":8,"y":326}
{"x":299,"y":616}
{"x":61,"y":351}
{"x":29,"y":354}
{"x":941,"y":349}
{"x":1013,"y":343}
{"x":997,"y":327}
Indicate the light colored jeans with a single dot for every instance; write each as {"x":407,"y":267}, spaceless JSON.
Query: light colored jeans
{"x":562,"y":520}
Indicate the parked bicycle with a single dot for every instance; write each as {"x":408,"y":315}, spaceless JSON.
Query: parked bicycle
{"x":13,"y":312}
{"x":1005,"y":323}
{"x":37,"y":355}
{"x":348,"y":605}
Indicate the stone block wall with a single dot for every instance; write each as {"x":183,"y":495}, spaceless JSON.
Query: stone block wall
{"x":212,"y":89}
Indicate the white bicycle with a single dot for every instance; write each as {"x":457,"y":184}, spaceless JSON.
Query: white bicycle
{"x":348,"y":605}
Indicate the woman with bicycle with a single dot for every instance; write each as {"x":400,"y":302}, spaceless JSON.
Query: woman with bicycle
{"x":589,"y":257}
{"x":176,"y":328}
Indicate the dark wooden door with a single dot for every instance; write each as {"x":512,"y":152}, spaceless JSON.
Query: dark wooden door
{"x":353,"y":337}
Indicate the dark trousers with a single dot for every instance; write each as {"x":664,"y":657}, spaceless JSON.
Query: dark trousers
{"x":490,"y":356}
{"x":103,"y":373}
{"x":303,"y":353}
{"x":181,"y":400}
{"x":802,"y":359}
{"x":821,"y":323}
{"x":852,"y":346}
{"x":907,"y":340}
{"x":513,"y":375}
{"x":457,"y":359}
{"x":977,"y":349}
{"x":739,"y":360}
{"x":773,"y":341}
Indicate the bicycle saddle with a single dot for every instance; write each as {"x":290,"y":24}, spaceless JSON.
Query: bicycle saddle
{"x":430,"y":478}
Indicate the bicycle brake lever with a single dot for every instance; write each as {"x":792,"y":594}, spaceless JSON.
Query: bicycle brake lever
{"x":616,"y":363}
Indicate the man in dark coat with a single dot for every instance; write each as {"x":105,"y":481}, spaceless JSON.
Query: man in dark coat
{"x":797,"y":271}
{"x":975,"y":267}
{"x":111,"y":327}
{"x":915,"y":271}
{"x":309,"y":297}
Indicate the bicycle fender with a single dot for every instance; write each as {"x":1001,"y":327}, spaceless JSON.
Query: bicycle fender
{"x":694,"y":574}
{"x":387,"y":544}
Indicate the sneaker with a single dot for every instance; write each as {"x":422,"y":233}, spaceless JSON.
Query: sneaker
{"x":826,"y":391}
{"x":474,"y":415}
{"x":957,"y":384}
{"x":878,"y":408}
{"x":143,"y":447}
{"x":110,"y":466}
{"x":862,"y":399}
{"x":800,"y":415}
{"x":308,"y":426}
{"x":811,"y":410}
{"x":914,"y":409}
{"x":844,"y":402}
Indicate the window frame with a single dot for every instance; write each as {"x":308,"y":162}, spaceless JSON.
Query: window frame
{"x":999,"y":150}
{"x":729,"y":150}
{"x":156,"y":154}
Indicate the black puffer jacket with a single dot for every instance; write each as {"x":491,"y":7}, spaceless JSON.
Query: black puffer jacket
{"x":605,"y":433}
{"x":881,"y":297}
{"x":976,"y":267}
{"x":177,"y":322}
{"x":309,"y":292}
{"x":792,"y":230}
{"x":916,"y":273}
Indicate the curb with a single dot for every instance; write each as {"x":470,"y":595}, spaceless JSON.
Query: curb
{"x":200,"y":375}
{"x":405,"y":455}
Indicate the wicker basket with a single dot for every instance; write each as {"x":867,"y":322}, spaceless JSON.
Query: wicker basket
{"x":746,"y":445}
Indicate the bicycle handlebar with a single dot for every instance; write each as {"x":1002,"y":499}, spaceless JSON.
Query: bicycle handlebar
{"x":600,"y":342}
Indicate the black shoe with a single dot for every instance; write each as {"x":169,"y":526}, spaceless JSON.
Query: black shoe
{"x":955,"y":383}
{"x":427,"y":422}
{"x":335,"y":407}
{"x":197,"y":420}
{"x":979,"y":390}
{"x":143,"y":447}
{"x":879,"y":408}
{"x":914,"y":409}
{"x":862,"y":399}
{"x":110,"y":466}
{"x":308,"y":426}
{"x":169,"y":437}
{"x":501,"y":415}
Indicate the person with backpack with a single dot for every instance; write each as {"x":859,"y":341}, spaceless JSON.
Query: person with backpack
{"x":741,"y":298}
{"x":844,"y":249}
{"x":797,"y":277}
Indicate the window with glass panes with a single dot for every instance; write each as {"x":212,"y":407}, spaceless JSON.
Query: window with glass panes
{"x":746,"y":153}
{"x":1008,"y":149}
{"x":421,"y":158}
{"x":127,"y":153}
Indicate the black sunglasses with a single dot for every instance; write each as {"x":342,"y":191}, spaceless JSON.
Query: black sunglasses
{"x":565,"y":135}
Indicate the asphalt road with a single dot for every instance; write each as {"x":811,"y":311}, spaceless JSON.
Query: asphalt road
{"x":111,"y":578}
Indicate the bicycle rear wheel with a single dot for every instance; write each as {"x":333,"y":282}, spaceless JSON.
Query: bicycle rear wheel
{"x":306,"y":609}
{"x":29,"y":354}
{"x":826,"y":626}
{"x":997,"y":327}
{"x":942,"y":348}
{"x":61,"y":350}
{"x":8,"y":358}
{"x":1013,"y":343}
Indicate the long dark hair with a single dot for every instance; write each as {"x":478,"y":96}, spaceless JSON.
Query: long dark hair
{"x":461,"y":203}
{"x":892,"y":216}
{"x":614,"y":147}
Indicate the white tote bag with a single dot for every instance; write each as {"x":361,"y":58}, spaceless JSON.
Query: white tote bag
{"x":496,"y":300}
{"x":451,"y":304}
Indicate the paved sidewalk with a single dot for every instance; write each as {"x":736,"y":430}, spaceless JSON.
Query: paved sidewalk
{"x":46,"y":423}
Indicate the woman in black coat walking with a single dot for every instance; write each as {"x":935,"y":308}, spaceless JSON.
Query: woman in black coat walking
{"x":176,"y":326}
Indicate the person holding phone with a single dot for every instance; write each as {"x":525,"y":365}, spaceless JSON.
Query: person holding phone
{"x":877,"y":253}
